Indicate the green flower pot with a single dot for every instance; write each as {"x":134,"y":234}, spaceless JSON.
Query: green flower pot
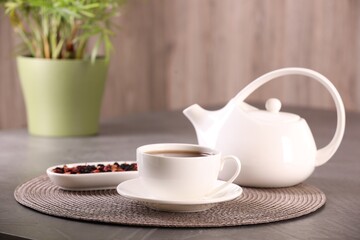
{"x":62,"y":97}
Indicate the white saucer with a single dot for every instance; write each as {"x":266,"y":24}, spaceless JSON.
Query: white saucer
{"x":135,"y":190}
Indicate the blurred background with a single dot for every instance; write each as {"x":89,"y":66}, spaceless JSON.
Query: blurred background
{"x":170,"y":54}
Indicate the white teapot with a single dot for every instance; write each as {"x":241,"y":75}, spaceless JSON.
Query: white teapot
{"x":276,"y":149}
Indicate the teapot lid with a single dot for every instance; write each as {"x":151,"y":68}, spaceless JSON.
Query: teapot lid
{"x":273,"y":114}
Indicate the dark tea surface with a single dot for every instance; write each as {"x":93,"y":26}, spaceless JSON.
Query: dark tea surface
{"x":179,"y":153}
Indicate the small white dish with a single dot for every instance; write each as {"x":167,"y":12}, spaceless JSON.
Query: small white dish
{"x":90,"y":181}
{"x":135,"y":190}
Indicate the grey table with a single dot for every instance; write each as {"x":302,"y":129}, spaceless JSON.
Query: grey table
{"x":23,"y":157}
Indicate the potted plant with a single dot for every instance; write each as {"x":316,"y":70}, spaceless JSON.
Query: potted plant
{"x":62,"y":77}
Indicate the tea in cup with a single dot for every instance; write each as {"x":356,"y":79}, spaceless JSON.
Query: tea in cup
{"x":182,"y":171}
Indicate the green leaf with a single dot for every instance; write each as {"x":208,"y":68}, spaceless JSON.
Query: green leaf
{"x":95,"y":49}
{"x":57,"y":50}
{"x":48,"y":25}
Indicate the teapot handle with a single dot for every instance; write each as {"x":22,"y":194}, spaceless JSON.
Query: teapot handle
{"x":325,"y":153}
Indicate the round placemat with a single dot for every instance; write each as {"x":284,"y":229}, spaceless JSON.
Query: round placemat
{"x":254,"y":206}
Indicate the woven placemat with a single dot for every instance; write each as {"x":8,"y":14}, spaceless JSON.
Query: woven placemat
{"x":254,"y":206}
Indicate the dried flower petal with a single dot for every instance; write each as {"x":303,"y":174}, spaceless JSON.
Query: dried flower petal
{"x":85,"y":169}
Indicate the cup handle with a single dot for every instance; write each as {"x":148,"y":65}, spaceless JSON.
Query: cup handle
{"x":228,"y":182}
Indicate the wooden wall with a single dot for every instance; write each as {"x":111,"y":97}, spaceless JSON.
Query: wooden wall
{"x":173,"y":53}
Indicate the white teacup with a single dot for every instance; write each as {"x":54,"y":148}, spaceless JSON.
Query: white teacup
{"x":182,"y":171}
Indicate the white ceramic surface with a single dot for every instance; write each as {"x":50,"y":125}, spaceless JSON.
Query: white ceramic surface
{"x":90,"y":181}
{"x":276,"y":149}
{"x":182,"y":177}
{"x":135,"y":190}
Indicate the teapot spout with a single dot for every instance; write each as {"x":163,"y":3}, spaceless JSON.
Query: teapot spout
{"x":202,"y":122}
{"x":199,"y":117}
{"x":206,"y":123}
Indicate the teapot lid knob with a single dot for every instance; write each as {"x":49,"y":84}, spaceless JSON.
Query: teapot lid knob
{"x":273,"y":105}
{"x":272,"y":114}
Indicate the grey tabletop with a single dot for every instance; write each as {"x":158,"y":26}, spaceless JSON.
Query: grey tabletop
{"x":23,"y":157}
